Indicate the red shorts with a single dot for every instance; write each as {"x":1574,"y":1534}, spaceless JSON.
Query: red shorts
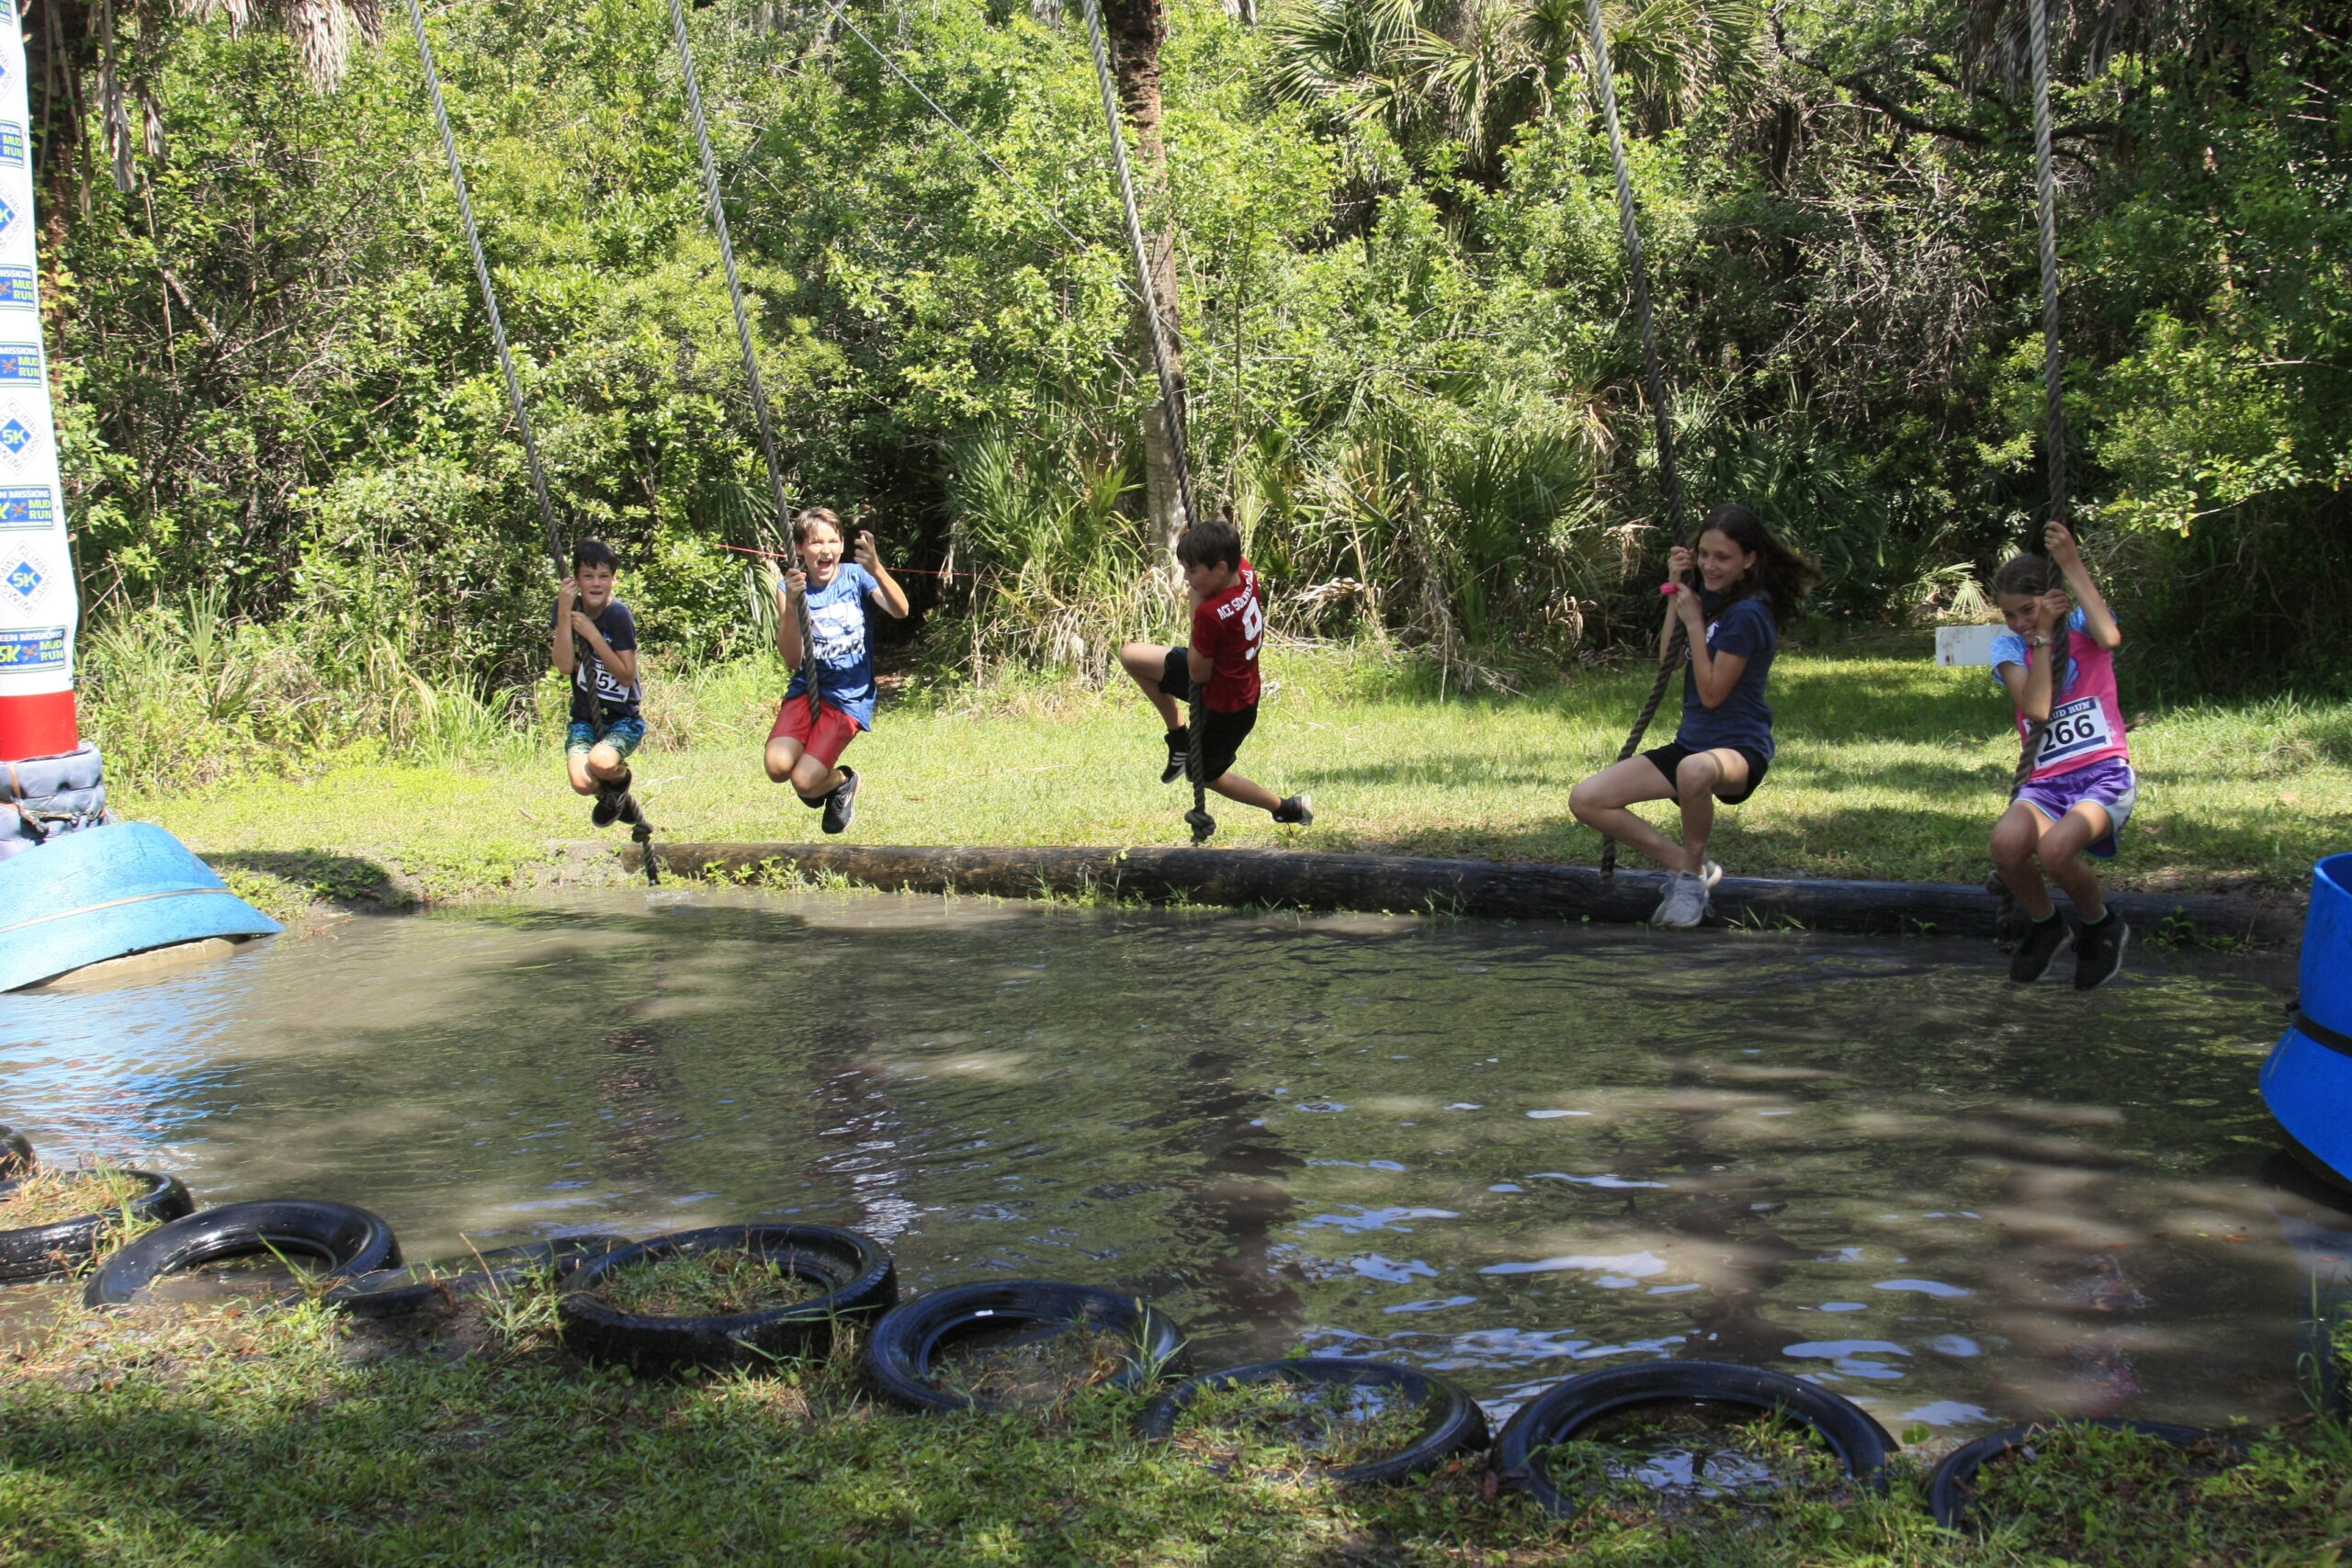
{"x":832,"y":735}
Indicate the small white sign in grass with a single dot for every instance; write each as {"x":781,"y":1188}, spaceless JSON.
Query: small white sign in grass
{"x":1956,"y":646}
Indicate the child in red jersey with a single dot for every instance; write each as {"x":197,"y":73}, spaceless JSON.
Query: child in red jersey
{"x":1228,"y":624}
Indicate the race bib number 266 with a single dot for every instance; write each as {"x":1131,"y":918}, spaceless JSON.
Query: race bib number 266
{"x":2076,"y":728}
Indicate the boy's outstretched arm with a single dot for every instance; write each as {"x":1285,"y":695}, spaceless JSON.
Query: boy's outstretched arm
{"x":2098,"y":621}
{"x":892,"y":597}
{"x":562,"y":648}
{"x":787,"y":588}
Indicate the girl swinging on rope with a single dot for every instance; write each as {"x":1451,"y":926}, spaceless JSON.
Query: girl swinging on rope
{"x":808,"y":739}
{"x":1748,"y":589}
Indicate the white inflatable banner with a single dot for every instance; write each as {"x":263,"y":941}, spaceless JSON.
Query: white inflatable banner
{"x":39,"y":609}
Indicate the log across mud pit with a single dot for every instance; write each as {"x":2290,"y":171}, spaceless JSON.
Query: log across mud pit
{"x":1407,"y":883}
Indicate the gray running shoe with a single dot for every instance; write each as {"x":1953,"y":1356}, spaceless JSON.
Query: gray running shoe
{"x":1685,"y":904}
{"x":841,"y":806}
{"x":2098,"y":952}
{"x":2039,"y":948}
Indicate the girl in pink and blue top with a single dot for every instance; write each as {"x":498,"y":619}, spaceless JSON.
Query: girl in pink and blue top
{"x":2075,"y":788}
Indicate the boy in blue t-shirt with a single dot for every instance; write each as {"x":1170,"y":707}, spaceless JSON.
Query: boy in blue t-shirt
{"x":805,"y":746}
{"x":594,"y":645}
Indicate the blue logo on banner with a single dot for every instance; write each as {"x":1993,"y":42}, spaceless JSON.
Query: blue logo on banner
{"x":16,"y":437}
{"x":41,"y":648}
{"x":7,"y":216}
{"x":24,"y":580}
{"x":27,"y":506}
{"x":20,"y":362}
{"x":12,"y":140}
{"x":16,"y":287}
{"x":8,"y":10}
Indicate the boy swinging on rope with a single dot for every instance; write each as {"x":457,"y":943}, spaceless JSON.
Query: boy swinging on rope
{"x":605,"y":722}
{"x":804,"y":746}
{"x":1228,"y":626}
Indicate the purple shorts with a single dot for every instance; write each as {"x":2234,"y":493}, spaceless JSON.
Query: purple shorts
{"x":2110,"y":784}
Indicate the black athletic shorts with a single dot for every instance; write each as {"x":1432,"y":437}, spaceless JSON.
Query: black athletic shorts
{"x":1222,"y":733}
{"x":1667,"y":759}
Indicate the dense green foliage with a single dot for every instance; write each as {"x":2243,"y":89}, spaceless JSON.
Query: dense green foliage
{"x":1412,"y":367}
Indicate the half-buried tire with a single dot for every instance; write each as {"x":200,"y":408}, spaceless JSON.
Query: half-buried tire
{"x":1861,"y":1445}
{"x":348,"y":1240}
{"x":427,"y":1287}
{"x":905,"y":1354}
{"x":54,"y":1251}
{"x":855,"y":1279}
{"x":16,"y":1154}
{"x":1451,"y":1419}
{"x":1952,"y":1488}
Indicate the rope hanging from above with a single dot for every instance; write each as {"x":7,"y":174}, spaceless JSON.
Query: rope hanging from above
{"x":640,"y":830}
{"x":1171,"y":401}
{"x":1654,"y":381}
{"x":791,"y":551}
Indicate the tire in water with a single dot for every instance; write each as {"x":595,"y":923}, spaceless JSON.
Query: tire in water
{"x":54,"y":1251}
{"x":1451,"y":1421}
{"x":404,"y":1292}
{"x":901,"y":1357}
{"x":347,"y":1239}
{"x":1952,"y":1487}
{"x":859,"y":1279}
{"x":1862,"y":1446}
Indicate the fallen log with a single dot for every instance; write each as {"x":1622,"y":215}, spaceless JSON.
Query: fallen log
{"x":1279,"y":879}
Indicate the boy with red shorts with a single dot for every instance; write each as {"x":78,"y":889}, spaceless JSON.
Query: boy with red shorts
{"x":805,"y":746}
{"x":1228,"y":624}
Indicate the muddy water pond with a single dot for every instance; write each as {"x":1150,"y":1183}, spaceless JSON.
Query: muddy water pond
{"x":1510,"y":1153}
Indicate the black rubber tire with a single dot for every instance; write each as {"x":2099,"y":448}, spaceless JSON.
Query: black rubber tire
{"x":1451,"y":1423}
{"x":861,"y":1284}
{"x":404,"y":1292}
{"x":1861,"y":1445}
{"x":350,"y":1240}
{"x":899,"y":1354}
{"x":54,"y":1251}
{"x":1948,"y":1488}
{"x":16,"y":1154}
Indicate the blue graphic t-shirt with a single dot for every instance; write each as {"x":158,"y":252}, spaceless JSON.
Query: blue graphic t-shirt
{"x":1746,"y":629}
{"x":841,"y":613}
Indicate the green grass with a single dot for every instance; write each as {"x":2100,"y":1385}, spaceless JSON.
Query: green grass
{"x":703,"y":1284}
{"x":220,"y":1436}
{"x":1888,"y":767}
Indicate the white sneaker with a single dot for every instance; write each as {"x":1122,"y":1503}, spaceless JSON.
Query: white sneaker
{"x":1685,"y":904}
{"x":1710,"y":873}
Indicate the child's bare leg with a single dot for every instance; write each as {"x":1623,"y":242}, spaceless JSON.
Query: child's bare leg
{"x":1703,"y":776}
{"x":606,"y":764}
{"x":782,"y":756}
{"x":2061,"y":853}
{"x":1233,"y":786}
{"x":813,"y":779}
{"x":1601,"y":801}
{"x":2015,"y":838}
{"x":1146,"y":662}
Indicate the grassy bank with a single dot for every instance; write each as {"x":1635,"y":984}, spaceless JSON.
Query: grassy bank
{"x":172,"y":1436}
{"x":1888,"y":767}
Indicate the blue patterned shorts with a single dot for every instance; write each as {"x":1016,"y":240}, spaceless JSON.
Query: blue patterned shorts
{"x":623,"y":735}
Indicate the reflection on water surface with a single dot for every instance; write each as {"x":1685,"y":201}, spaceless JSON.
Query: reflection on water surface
{"x":1510,"y":1153}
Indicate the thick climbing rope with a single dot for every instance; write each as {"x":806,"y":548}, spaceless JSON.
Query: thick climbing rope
{"x":1171,"y":401}
{"x":639,"y":829}
{"x":1654,"y":380}
{"x":2054,"y":360}
{"x":743,"y":340}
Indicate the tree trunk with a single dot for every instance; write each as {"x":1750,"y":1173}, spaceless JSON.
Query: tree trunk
{"x":1136,"y":30}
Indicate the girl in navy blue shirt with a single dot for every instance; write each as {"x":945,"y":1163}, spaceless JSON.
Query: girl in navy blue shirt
{"x":1748,"y":587}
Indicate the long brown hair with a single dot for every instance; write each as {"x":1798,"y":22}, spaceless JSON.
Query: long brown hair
{"x":1779,"y":571}
{"x":2037,"y":575}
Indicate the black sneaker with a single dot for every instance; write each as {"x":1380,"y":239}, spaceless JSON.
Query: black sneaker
{"x":2039,"y":947}
{"x":2098,"y":952}
{"x":841,"y":806}
{"x":1179,"y":746}
{"x":1298,"y":808}
{"x":607,"y":808}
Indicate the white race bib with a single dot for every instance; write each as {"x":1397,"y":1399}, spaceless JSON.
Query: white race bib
{"x":2076,"y":729}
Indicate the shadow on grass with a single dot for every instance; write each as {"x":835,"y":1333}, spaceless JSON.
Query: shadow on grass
{"x":315,"y":876}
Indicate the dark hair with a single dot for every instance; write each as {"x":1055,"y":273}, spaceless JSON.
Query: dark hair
{"x":2035,"y":575}
{"x":809,"y":517}
{"x":1210,"y":542}
{"x":1779,"y":571}
{"x":593,"y":552}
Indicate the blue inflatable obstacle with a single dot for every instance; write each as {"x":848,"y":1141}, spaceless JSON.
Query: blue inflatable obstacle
{"x":106,"y":893}
{"x":2307,"y":1082}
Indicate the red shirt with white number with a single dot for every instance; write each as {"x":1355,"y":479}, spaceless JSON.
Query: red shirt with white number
{"x":1227,"y":630}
